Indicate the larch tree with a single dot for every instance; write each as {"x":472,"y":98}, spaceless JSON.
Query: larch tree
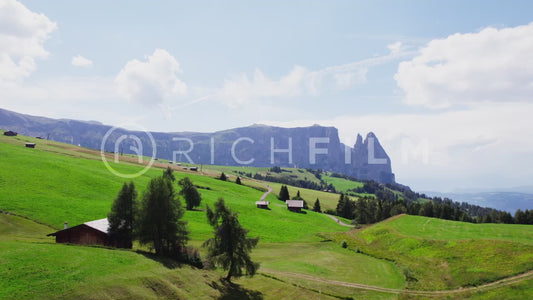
{"x":169,"y":174}
{"x":229,"y":247}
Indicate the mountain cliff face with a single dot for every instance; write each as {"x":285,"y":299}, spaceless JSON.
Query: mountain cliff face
{"x":314,"y":147}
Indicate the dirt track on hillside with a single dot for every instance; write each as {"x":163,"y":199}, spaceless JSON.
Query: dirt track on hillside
{"x":339,"y":221}
{"x":488,"y":286}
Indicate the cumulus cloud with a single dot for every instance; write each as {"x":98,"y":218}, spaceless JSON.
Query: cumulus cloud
{"x":22,"y":37}
{"x":492,"y":65}
{"x":151,"y":81}
{"x":80,"y":61}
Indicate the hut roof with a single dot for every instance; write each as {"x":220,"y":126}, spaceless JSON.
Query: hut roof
{"x":100,"y":225}
{"x":262,"y":203}
{"x":295,"y":203}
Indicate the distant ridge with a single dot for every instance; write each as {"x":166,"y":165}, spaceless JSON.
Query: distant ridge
{"x":314,"y":147}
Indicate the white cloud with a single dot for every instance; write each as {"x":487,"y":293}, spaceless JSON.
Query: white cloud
{"x":242,"y":89}
{"x":22,"y":35}
{"x":151,"y":81}
{"x":301,"y":82}
{"x":395,"y":48}
{"x":478,"y":147}
{"x":493,"y":65}
{"x":80,"y":61}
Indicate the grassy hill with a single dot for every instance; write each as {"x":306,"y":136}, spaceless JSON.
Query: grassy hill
{"x":434,"y":258}
{"x":300,"y":254}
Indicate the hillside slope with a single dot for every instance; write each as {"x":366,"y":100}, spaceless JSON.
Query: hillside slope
{"x":432,"y":258}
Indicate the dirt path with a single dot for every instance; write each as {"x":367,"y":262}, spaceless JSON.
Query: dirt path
{"x":488,"y":286}
{"x":269,"y":189}
{"x":339,"y":221}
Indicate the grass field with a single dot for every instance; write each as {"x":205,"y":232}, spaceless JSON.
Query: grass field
{"x":447,"y":263}
{"x":341,"y":184}
{"x":432,"y":228}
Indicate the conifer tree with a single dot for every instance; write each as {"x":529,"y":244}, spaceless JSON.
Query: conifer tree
{"x":169,"y":174}
{"x":317,"y":207}
{"x":223,"y":177}
{"x":121,"y":218}
{"x":192,"y":197}
{"x":161,"y":226}
{"x":284,"y":193}
{"x":230,"y":248}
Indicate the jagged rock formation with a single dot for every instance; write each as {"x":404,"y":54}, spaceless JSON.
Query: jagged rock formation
{"x":314,"y":147}
{"x":371,"y":161}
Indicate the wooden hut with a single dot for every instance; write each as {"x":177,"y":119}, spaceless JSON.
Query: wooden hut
{"x":30,"y":145}
{"x":10,"y":133}
{"x":262,"y":204}
{"x":295,"y":205}
{"x":89,"y":233}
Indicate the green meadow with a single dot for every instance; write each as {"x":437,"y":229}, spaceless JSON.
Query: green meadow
{"x":300,"y":254}
{"x":444,"y":261}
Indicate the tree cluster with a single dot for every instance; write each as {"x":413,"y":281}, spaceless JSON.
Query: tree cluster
{"x":306,"y":184}
{"x":157,"y":222}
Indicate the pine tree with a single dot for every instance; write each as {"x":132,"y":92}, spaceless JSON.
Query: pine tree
{"x":238,"y":180}
{"x":121,"y":218}
{"x":230,"y":248}
{"x":297,"y":197}
{"x":284,"y":193}
{"x":192,"y":197}
{"x":317,"y":207}
{"x":348,"y":209}
{"x":223,"y":177}
{"x":160,"y":223}
{"x":340,"y":205}
{"x":169,"y":174}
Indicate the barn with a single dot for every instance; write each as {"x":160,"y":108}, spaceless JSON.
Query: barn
{"x":295,"y":205}
{"x":89,"y":233}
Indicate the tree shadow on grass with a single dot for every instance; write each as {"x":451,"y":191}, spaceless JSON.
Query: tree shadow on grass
{"x":231,"y":290}
{"x":165,"y":261}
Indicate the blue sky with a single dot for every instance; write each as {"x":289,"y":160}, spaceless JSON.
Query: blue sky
{"x":446,"y":86}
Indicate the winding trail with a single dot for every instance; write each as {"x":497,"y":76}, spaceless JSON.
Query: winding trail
{"x":484,"y":287}
{"x":267,"y":192}
{"x":339,"y":221}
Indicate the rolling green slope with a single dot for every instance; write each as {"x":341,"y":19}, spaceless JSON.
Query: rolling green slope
{"x":36,"y":268}
{"x":52,"y":188}
{"x":439,"y":260}
{"x":433,"y":228}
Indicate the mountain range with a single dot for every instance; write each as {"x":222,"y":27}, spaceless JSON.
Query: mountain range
{"x":314,"y":147}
